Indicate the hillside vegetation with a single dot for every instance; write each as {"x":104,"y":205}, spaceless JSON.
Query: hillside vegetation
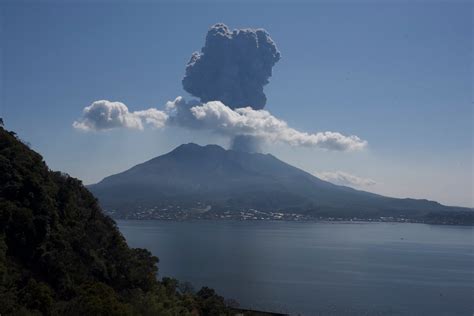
{"x":60,"y":255}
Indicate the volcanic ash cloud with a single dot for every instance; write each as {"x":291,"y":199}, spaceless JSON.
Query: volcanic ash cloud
{"x":232,"y":67}
{"x":228,"y":76}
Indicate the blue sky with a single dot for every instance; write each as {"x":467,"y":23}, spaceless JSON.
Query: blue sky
{"x":398,"y":75}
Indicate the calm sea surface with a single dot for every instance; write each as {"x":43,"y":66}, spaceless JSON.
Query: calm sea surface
{"x":319,"y":268}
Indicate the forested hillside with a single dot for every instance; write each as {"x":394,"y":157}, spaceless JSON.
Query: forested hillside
{"x":59,"y":254}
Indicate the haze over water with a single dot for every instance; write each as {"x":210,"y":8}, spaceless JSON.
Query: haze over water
{"x":319,"y":268}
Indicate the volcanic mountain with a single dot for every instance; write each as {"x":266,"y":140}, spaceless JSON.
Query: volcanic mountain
{"x":227,"y":180}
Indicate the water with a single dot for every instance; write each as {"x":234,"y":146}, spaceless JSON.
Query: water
{"x":319,"y":268}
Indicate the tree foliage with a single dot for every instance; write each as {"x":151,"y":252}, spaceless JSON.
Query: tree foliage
{"x":60,"y":255}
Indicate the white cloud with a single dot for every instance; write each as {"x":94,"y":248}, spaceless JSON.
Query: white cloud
{"x":347,"y":179}
{"x":180,"y":114}
{"x":216,"y":116}
{"x":105,"y":115}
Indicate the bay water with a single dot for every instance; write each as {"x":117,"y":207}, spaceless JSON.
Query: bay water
{"x":319,"y":268}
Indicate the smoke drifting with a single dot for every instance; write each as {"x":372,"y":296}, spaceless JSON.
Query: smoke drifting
{"x":262,"y":125}
{"x":246,"y":143}
{"x":246,"y":126}
{"x":228,"y":76}
{"x":249,"y":127}
{"x":232,"y":67}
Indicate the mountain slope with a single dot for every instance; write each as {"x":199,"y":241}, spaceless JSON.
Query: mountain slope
{"x":192,"y":175}
{"x":60,"y":255}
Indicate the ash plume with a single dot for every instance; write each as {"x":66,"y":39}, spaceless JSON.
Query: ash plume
{"x":228,"y":76}
{"x":232,"y":67}
{"x":246,"y":143}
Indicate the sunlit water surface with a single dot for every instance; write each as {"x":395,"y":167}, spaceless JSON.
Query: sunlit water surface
{"x":319,"y":268}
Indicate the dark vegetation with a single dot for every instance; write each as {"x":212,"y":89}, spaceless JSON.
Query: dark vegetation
{"x":60,"y":255}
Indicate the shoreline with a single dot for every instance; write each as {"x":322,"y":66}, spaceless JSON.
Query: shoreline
{"x":322,"y":221}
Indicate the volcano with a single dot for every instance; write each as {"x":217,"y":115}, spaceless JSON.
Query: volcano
{"x":213,"y":178}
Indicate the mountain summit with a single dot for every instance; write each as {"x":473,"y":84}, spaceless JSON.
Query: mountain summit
{"x":210,"y":177}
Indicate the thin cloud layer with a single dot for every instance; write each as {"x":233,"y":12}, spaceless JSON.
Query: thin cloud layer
{"x":347,"y":179}
{"x":106,"y":115}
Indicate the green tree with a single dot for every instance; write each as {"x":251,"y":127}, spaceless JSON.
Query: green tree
{"x":61,"y":255}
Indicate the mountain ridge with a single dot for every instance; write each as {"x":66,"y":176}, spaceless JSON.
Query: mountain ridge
{"x":230,"y":180}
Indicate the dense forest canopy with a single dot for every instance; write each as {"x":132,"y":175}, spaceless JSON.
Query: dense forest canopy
{"x":59,"y":254}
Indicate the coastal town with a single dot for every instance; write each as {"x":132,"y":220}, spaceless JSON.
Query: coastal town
{"x":177,"y":213}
